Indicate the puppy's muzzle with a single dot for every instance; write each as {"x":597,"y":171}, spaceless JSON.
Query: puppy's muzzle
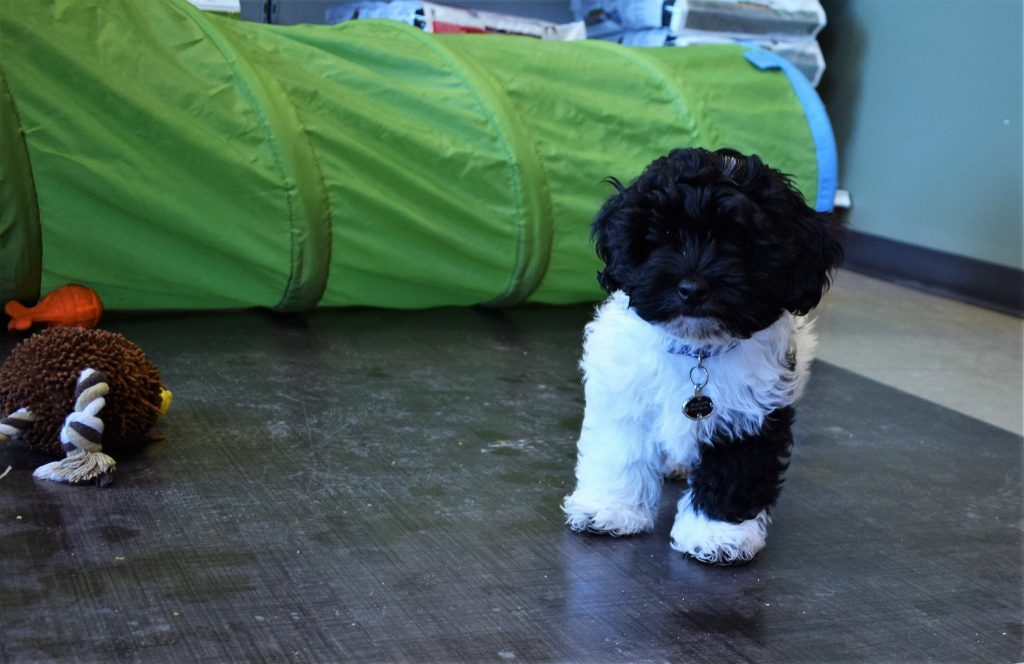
{"x":693,"y":290}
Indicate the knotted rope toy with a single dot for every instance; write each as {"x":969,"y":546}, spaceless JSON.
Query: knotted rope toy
{"x":77,"y":391}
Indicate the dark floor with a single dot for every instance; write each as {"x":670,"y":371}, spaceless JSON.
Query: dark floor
{"x":384,"y":486}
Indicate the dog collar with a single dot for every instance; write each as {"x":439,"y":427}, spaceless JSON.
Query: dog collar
{"x":703,"y":352}
{"x":700,"y":406}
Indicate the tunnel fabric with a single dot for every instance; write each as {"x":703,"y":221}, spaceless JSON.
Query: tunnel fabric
{"x":172,"y":159}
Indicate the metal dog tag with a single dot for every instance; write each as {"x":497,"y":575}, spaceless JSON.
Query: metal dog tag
{"x":699,"y":406}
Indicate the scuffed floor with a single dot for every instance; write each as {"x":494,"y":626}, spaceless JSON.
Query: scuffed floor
{"x":384,"y":486}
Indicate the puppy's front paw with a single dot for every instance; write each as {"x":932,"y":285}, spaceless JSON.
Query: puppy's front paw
{"x":718,"y":542}
{"x":615,"y":519}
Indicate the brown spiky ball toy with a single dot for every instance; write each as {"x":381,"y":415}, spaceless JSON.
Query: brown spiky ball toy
{"x":78,"y":391}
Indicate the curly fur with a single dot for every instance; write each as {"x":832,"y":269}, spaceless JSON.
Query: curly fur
{"x":710,"y":250}
{"x":732,"y":220}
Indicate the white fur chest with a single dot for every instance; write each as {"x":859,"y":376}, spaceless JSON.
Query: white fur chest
{"x":631,"y":376}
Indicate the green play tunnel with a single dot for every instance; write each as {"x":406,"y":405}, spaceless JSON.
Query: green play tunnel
{"x":174,"y":159}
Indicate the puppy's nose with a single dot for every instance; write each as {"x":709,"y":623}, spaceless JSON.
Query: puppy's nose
{"x":693,"y":290}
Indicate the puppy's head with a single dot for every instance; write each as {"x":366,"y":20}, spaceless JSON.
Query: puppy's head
{"x":714,"y":245}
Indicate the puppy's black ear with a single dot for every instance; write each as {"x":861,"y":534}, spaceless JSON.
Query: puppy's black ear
{"x":607,"y":233}
{"x":819,"y":254}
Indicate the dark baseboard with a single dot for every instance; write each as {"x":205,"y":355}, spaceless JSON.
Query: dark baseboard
{"x":985,"y":284}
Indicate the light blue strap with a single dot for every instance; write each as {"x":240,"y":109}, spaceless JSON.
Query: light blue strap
{"x":817,"y":120}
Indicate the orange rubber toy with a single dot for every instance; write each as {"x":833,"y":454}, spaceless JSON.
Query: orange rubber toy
{"x":68,"y":306}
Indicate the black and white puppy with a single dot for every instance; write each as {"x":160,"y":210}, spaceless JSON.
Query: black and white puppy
{"x":692,"y":366}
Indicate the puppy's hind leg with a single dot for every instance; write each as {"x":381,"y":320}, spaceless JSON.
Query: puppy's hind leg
{"x":618,"y":480}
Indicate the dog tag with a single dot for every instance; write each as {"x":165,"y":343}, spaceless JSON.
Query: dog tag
{"x":698,"y":406}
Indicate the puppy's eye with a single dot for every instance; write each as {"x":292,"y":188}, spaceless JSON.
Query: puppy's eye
{"x":659,"y":234}
{"x":730,"y":233}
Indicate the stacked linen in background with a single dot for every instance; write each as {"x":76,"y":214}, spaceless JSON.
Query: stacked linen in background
{"x":232,"y":8}
{"x":431,"y":17}
{"x":786,"y":27}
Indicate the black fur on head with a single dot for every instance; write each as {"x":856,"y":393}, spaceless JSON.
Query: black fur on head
{"x":714,"y":237}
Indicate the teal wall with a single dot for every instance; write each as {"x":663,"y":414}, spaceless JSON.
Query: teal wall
{"x":926,"y":100}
